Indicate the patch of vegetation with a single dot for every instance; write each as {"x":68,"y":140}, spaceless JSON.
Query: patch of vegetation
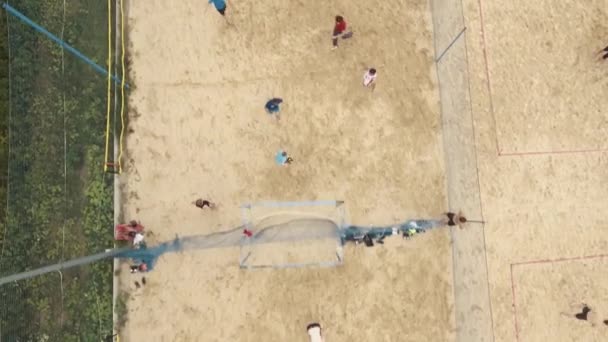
{"x":3,"y":121}
{"x":60,"y":203}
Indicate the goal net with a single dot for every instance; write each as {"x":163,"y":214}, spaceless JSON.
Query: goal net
{"x":292,"y":234}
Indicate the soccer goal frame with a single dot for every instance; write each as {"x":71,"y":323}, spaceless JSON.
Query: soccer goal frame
{"x":307,"y":209}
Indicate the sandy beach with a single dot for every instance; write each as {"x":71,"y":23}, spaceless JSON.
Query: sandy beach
{"x":199,"y":129}
{"x":508,"y":127}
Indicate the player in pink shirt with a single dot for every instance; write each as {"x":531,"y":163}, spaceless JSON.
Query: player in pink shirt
{"x":369,"y":78}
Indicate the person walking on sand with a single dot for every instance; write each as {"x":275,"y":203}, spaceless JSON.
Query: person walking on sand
{"x":583,"y":315}
{"x":220,"y":6}
{"x":201,"y":203}
{"x":605,"y":52}
{"x":282,"y":158}
{"x":315,"y":332}
{"x":272,"y":107}
{"x":138,"y":238}
{"x":139,"y":268}
{"x":339,"y":30}
{"x":369,"y":78}
{"x":453,"y":219}
{"x":408,"y":233}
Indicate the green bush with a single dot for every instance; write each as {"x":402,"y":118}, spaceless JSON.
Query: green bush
{"x":60,"y":203}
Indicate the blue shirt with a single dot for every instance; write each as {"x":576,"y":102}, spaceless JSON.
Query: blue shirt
{"x":219,"y":4}
{"x":273,"y":105}
{"x":279,"y":158}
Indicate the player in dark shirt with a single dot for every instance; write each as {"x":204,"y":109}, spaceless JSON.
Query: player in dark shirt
{"x":201,"y":203}
{"x":605,"y":52}
{"x":454,"y":219}
{"x":583,"y":315}
{"x":272,"y":107}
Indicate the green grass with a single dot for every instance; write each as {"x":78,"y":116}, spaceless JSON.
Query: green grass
{"x":61,"y":202}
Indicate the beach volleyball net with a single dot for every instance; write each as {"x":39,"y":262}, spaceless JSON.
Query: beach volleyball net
{"x":292,"y":234}
{"x":472,"y":305}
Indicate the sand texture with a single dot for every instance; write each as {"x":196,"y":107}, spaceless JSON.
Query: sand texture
{"x":199,"y":130}
{"x":539,"y":119}
{"x":520,"y":128}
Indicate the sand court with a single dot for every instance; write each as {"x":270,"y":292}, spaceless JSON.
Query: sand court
{"x":201,"y":294}
{"x":548,"y":204}
{"x":547,"y":89}
{"x":521,"y":90}
{"x":200,"y":130}
{"x":549,"y":293}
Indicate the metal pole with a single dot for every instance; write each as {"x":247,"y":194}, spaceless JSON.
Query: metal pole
{"x":61,"y":286}
{"x":63,"y":265}
{"x":54,"y":38}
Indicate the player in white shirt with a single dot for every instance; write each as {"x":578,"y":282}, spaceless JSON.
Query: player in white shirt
{"x":138,"y":239}
{"x":314,"y":332}
{"x":369,"y":78}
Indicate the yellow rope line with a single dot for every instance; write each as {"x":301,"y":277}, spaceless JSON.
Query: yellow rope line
{"x":122,"y":87}
{"x":105,"y":164}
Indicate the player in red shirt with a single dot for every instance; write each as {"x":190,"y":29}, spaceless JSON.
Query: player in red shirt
{"x":339,"y":29}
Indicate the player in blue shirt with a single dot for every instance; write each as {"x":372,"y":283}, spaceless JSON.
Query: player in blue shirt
{"x":220,"y":6}
{"x":272,"y":106}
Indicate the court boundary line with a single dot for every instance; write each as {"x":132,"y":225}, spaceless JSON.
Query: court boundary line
{"x":514,"y":153}
{"x":475,"y":146}
{"x":512,"y":267}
